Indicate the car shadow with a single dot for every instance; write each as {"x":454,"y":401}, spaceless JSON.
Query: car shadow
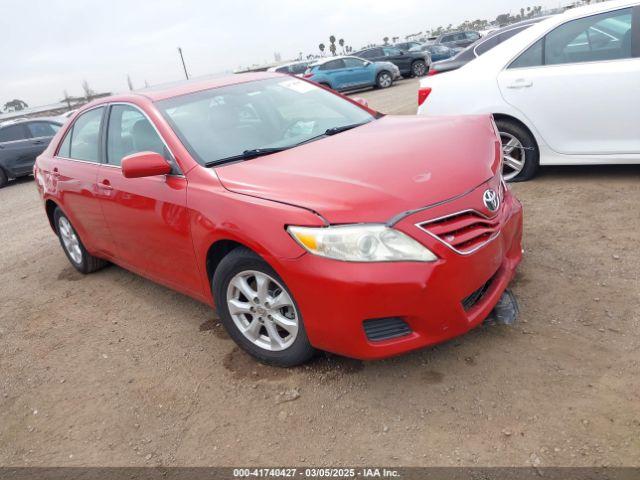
{"x":588,"y":171}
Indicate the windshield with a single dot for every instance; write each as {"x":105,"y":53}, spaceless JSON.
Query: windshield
{"x":277,"y":113}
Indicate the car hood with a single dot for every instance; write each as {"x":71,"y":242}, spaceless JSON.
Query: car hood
{"x":377,"y":171}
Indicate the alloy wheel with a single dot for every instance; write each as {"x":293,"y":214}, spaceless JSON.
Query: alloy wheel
{"x":262,"y":310}
{"x":514,"y":155}
{"x":385,"y":80}
{"x":70,"y":240}
{"x":419,"y":69}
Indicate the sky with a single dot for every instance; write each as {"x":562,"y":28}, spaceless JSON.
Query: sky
{"x":49,"y":46}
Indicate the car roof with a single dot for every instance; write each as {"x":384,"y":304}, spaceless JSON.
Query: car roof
{"x":19,"y":121}
{"x":185,"y":87}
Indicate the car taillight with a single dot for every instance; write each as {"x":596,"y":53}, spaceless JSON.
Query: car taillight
{"x":423,"y":93}
{"x":432,"y":71}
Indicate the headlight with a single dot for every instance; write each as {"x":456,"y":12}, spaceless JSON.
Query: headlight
{"x":361,"y":243}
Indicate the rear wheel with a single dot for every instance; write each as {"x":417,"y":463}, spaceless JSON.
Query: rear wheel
{"x":384,"y":79}
{"x":419,"y":68}
{"x":82,"y":260}
{"x":3,"y":178}
{"x":258,"y":311}
{"x":520,"y":151}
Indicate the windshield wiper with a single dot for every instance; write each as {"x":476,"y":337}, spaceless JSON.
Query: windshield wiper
{"x":259,"y":152}
{"x":247,"y":155}
{"x":343,"y":128}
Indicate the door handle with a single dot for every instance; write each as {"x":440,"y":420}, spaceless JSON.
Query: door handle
{"x":106,"y":184}
{"x":55,"y":172}
{"x":520,"y":83}
{"x":38,"y":142}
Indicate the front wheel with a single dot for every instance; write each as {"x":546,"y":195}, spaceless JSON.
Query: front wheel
{"x":82,"y":260}
{"x":419,"y":68}
{"x":520,"y":152}
{"x":258,"y":310}
{"x":384,"y":80}
{"x":3,"y":178}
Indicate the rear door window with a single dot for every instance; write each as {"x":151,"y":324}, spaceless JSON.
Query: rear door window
{"x":82,"y":141}
{"x":333,"y":65}
{"x":13,"y":133}
{"x":606,"y":36}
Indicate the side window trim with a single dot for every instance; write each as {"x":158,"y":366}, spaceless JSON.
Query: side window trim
{"x":635,"y":40}
{"x":103,"y":143}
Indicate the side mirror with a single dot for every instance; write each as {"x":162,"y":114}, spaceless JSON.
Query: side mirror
{"x":144,"y":164}
{"x":361,"y":101}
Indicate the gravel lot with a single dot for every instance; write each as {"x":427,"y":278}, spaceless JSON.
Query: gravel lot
{"x":111,"y":369}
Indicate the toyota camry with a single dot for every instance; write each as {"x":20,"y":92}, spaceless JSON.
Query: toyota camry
{"x":308,"y":220}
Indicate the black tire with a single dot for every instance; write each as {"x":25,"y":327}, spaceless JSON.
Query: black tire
{"x":530,"y":151}
{"x":384,"y":79}
{"x":87,"y":263}
{"x":419,"y":68}
{"x":3,"y":178}
{"x":240,"y":260}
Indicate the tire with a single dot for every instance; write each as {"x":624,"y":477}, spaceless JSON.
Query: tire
{"x":73,"y":247}
{"x":3,"y":178}
{"x":384,"y":79}
{"x":266,"y":340}
{"x":522,"y":160}
{"x":419,"y":68}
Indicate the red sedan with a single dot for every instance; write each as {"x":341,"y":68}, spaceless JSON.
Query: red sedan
{"x":309,"y":221}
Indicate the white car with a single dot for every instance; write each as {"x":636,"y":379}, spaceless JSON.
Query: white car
{"x":566,"y":91}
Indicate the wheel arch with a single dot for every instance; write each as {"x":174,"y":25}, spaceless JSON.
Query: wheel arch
{"x":50,"y":207}
{"x":218,"y":250}
{"x":520,"y":123}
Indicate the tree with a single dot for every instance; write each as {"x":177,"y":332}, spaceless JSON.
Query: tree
{"x":341,"y":43}
{"x":321,"y":47}
{"x":386,"y":40}
{"x":67,"y":99}
{"x":129,"y":82}
{"x":15,"y":105}
{"x":332,"y":45}
{"x":88,"y":93}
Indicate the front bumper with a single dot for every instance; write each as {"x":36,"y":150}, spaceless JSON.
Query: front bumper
{"x":335,"y":298}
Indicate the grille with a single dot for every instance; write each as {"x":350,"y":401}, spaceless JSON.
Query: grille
{"x":464,"y":232}
{"x":385,"y":328}
{"x":469,"y":302}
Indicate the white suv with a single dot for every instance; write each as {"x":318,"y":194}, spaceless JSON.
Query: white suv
{"x":563,"y":92}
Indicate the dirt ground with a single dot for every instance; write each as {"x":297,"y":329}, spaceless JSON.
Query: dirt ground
{"x":113,"y":370}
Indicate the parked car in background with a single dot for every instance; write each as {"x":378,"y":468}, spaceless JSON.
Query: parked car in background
{"x":21,"y":142}
{"x":350,"y":73}
{"x":410,"y":63}
{"x":312,"y":223}
{"x":436,"y":52}
{"x":563,"y":92}
{"x":293,"y":68}
{"x":457,"y":39}
{"x":481,"y":46}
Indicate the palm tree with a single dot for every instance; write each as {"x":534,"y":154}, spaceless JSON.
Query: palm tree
{"x":332,"y":45}
{"x":341,"y":43}
{"x":386,"y":40}
{"x":321,"y":47}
